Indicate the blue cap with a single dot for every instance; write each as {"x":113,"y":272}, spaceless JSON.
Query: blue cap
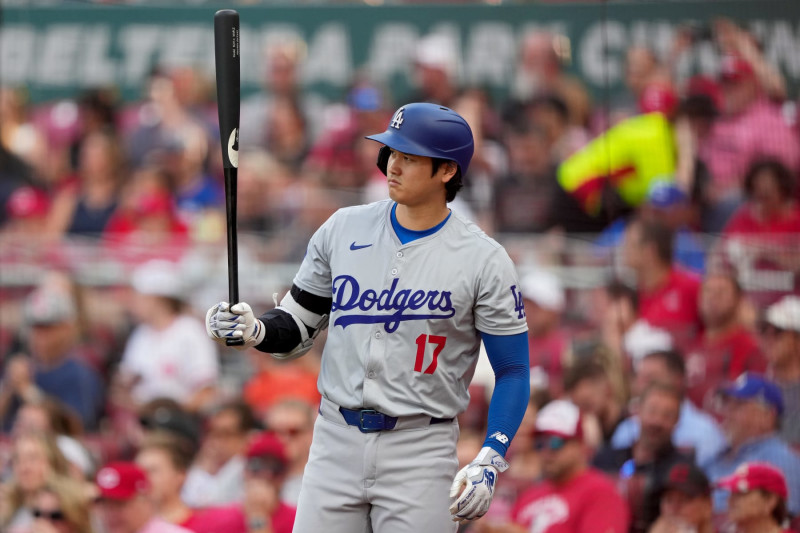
{"x":664,"y":194}
{"x":749,"y":386}
{"x":365,"y":99}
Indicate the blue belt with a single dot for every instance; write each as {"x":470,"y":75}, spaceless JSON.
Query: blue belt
{"x":370,"y":420}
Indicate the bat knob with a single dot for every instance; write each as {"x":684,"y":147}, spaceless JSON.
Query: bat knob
{"x":234,"y":342}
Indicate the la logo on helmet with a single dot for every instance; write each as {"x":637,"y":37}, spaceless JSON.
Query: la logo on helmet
{"x":398,"y":119}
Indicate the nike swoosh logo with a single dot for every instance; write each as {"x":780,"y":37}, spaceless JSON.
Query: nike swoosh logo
{"x":355,"y":246}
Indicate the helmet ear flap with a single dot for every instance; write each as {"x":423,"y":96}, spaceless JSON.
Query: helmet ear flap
{"x":383,"y":158}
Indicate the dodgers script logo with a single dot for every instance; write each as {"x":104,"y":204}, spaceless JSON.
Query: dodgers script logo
{"x":347,"y":296}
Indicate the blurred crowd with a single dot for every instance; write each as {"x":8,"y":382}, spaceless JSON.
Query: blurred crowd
{"x":665,"y":358}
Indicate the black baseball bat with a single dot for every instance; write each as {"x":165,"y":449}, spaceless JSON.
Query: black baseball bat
{"x":227,"y":59}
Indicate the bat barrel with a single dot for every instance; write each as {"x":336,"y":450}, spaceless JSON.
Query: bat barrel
{"x":227,"y":57}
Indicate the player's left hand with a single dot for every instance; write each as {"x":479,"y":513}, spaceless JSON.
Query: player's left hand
{"x":225,"y":321}
{"x":477,"y":480}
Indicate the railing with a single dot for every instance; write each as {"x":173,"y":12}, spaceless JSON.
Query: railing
{"x":762,"y":262}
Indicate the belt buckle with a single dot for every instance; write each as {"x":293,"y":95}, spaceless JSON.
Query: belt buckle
{"x":372,"y":414}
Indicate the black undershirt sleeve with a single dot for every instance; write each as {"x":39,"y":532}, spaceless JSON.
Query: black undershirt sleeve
{"x":280,"y":330}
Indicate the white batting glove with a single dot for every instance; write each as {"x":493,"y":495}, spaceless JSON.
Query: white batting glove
{"x":236,"y":322}
{"x":477,"y":480}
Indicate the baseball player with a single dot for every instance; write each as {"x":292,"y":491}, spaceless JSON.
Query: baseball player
{"x":409,"y":290}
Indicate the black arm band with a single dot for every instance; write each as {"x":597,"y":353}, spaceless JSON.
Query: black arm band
{"x":312,"y":302}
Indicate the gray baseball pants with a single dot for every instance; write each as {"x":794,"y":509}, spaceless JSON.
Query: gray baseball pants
{"x":395,"y":481}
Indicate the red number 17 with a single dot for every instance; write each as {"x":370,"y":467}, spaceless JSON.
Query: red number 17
{"x":422,"y":340}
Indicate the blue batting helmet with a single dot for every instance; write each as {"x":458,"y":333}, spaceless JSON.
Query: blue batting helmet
{"x":428,"y":130}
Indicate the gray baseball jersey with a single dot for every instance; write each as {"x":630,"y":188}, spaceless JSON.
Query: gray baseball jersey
{"x":403,"y":333}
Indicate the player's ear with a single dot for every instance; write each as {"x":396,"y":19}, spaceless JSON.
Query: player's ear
{"x":448,"y":170}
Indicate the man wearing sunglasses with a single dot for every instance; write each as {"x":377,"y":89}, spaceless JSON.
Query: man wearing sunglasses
{"x":573,"y":497}
{"x":781,"y":338}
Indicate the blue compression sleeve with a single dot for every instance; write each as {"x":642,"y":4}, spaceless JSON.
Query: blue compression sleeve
{"x":508,"y":355}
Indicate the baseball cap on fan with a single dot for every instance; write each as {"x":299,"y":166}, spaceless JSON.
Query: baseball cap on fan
{"x":267,"y":444}
{"x":755,"y":476}
{"x":642,"y":339}
{"x":734,"y":68}
{"x":121,"y":481}
{"x":544,"y":289}
{"x":687,"y":478}
{"x":437,"y":51}
{"x":785,"y":314}
{"x":664,"y":194}
{"x":750,"y":386}
{"x":703,"y":97}
{"x":47,"y":306}
{"x":561,"y":418}
{"x":365,"y":98}
{"x":159,"y":277}
{"x":266,"y":455}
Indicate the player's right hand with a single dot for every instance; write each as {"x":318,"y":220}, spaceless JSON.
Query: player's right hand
{"x":224,"y":321}
{"x":473,"y":486}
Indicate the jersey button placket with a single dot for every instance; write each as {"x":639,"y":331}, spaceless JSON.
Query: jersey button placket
{"x":371,"y":373}
{"x":376,"y":353}
{"x":396,"y":268}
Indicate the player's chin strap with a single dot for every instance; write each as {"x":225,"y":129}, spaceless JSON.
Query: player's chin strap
{"x":304,"y":319}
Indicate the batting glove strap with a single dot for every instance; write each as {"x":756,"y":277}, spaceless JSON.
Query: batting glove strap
{"x":489,"y":457}
{"x":475,"y":484}
{"x":224,"y":321}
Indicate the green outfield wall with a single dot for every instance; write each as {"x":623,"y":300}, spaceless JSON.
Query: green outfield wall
{"x":57,"y":51}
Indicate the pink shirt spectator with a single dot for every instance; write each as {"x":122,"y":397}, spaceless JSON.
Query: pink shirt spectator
{"x":589,"y":503}
{"x":229,"y":519}
{"x":736,"y":142}
{"x":232,"y":519}
{"x":157,"y":525}
{"x":283,"y":518}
